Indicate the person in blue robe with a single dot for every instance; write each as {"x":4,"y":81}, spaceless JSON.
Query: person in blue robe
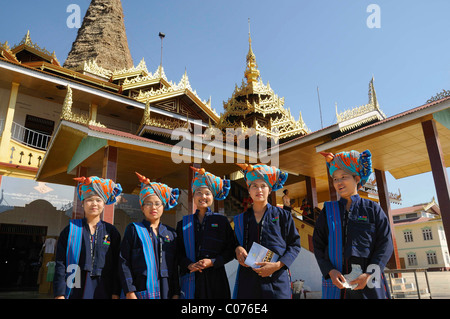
{"x":205,"y":241}
{"x":273,"y":228}
{"x":147,"y":262}
{"x":88,"y":249}
{"x":352,"y":238}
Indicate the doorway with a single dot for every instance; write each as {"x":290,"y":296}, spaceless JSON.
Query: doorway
{"x":20,"y":247}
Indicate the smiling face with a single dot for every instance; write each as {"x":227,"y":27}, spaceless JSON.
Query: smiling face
{"x":152,"y":208}
{"x":346,"y":185}
{"x":259,"y":191}
{"x":203,"y":198}
{"x":93,"y":206}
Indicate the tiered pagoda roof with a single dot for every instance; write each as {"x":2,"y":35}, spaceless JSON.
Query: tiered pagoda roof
{"x":254,"y":105}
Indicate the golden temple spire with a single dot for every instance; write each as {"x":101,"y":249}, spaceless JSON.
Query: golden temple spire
{"x":251,"y":72}
{"x":27,"y":38}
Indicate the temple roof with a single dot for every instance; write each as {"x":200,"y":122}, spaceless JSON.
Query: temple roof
{"x":28,"y":52}
{"x":254,"y":105}
{"x":135,"y":82}
{"x":364,"y":114}
{"x":5,"y":52}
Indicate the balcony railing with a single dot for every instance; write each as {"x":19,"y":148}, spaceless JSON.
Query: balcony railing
{"x":29,"y":137}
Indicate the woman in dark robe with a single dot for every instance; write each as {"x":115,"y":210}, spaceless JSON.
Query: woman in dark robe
{"x":88,"y":249}
{"x":148,"y":267}
{"x":273,"y":228}
{"x":206,"y":241}
{"x":352,"y":237}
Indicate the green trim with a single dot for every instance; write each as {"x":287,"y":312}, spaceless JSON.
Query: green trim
{"x":88,"y":146}
{"x":443,"y":117}
{"x":419,"y":248}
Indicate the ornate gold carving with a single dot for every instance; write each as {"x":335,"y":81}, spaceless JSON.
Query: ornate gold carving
{"x":30,"y":44}
{"x":173,"y":89}
{"x":254,"y":99}
{"x":140,"y":68}
{"x":92,"y":67}
{"x":170,"y":124}
{"x":6,"y":46}
{"x":66,"y":113}
{"x":371,"y":187}
{"x":361,"y":115}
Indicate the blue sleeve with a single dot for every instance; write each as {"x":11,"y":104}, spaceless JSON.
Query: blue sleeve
{"x":320,"y":244}
{"x":126,"y":247}
{"x":383,"y":246}
{"x":292,"y":239}
{"x":59,"y":280}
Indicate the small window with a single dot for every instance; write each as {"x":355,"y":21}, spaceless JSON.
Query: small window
{"x":408,"y":236}
{"x":427,"y":234}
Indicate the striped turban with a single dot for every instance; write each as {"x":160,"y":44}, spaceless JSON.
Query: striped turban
{"x":105,"y":188}
{"x":218,"y":187}
{"x":167,"y":195}
{"x":353,"y":163}
{"x":273,"y":176}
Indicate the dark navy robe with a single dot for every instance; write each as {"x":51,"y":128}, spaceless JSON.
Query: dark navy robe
{"x":276,"y":231}
{"x":214,"y":239}
{"x":132,"y":265}
{"x":367,"y":241}
{"x":99,"y":278}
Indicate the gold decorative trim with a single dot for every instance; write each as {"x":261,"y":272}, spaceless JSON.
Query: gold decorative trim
{"x":67,"y":114}
{"x":183,"y":86}
{"x":147,"y":120}
{"x":254,"y":99}
{"x":26,"y":41}
{"x":93,"y":68}
{"x":358,"y":116}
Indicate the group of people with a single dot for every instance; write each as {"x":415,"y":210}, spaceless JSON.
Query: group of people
{"x":155,"y":261}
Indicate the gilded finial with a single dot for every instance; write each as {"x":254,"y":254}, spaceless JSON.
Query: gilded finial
{"x":251,"y":72}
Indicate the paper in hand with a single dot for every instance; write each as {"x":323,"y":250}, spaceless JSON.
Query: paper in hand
{"x":355,"y":273}
{"x":259,"y":253}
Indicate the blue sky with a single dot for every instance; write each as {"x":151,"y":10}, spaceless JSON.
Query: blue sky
{"x":299,"y":45}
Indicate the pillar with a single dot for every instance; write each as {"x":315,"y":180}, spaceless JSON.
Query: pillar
{"x":311,"y":191}
{"x":273,"y":198}
{"x":439,"y":173}
{"x":6,"y":135}
{"x":383,"y":195}
{"x":110,"y":172}
{"x":77,"y":209}
{"x":93,"y":112}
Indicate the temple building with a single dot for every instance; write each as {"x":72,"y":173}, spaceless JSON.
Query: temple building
{"x":100,"y":114}
{"x":254,"y":105}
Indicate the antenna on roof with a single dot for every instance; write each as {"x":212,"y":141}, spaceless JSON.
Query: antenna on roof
{"x":162,"y":36}
{"x":320,"y":108}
